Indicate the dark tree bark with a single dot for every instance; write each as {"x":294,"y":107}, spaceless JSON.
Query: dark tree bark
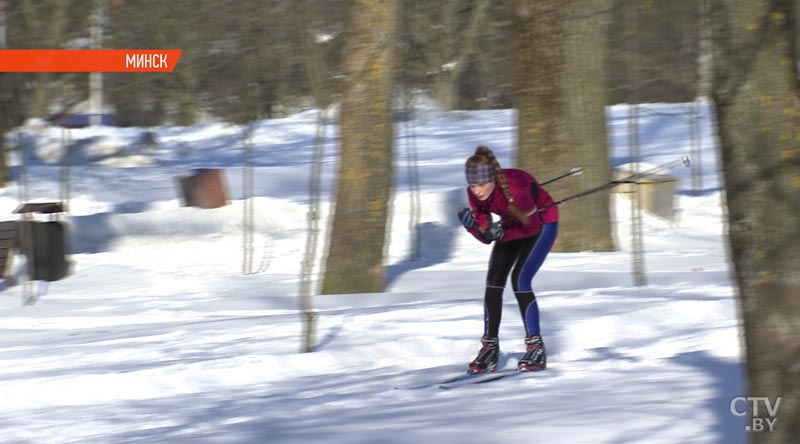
{"x":758,"y":108}
{"x":560,"y":99}
{"x":355,"y":258}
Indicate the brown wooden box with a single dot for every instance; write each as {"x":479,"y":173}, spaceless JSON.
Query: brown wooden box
{"x":204,"y":188}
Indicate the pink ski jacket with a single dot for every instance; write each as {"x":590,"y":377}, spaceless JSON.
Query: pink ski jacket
{"x":525,"y":189}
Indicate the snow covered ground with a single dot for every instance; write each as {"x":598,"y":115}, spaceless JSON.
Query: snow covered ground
{"x":158,"y":337}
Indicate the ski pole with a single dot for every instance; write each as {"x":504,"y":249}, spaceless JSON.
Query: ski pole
{"x":628,"y":179}
{"x":683,"y":159}
{"x":575,"y":171}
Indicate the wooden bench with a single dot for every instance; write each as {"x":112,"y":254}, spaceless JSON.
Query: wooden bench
{"x":9,"y":239}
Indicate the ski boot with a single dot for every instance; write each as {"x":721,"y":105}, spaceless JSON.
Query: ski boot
{"x":535,"y":357}
{"x":487,"y":358}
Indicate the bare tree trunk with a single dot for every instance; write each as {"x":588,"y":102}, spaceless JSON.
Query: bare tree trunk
{"x":5,"y":106}
{"x":5,"y":177}
{"x":704,"y":54}
{"x":442,"y":40}
{"x":47,"y":23}
{"x":560,"y":94}
{"x":355,"y":259}
{"x":758,"y":107}
{"x":308,"y":30}
{"x":462,"y":47}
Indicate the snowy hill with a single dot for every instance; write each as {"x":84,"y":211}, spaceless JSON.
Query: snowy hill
{"x":157,"y":337}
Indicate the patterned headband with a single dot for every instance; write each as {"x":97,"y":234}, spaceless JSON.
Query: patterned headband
{"x":482,"y":173}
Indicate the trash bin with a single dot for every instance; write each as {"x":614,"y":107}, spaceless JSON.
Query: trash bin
{"x":204,"y":188}
{"x":656,"y":193}
{"x":44,"y":245}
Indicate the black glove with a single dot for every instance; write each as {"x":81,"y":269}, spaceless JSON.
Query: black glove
{"x":494,"y":232}
{"x":466,"y":218}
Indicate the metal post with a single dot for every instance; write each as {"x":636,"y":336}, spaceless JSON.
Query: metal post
{"x":96,"y":78}
{"x":637,"y":241}
{"x":413,"y":177}
{"x":695,"y":147}
{"x":247,"y":190}
{"x":65,"y":171}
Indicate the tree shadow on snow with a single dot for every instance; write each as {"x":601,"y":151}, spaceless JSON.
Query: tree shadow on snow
{"x":728,"y":382}
{"x":436,"y":239}
{"x":435,"y":247}
{"x":91,"y":233}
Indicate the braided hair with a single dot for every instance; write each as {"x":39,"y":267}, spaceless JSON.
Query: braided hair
{"x":483,"y":156}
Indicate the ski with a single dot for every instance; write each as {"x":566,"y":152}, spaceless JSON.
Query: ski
{"x":483,"y":378}
{"x":478,"y":378}
{"x":450,"y":380}
{"x":475,"y":378}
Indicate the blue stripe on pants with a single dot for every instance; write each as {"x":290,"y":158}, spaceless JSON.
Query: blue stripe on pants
{"x":535,"y":260}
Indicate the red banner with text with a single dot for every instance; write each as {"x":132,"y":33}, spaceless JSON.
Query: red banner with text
{"x":89,"y":60}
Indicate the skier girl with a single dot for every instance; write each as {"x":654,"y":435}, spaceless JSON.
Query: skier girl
{"x":522,"y":239}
